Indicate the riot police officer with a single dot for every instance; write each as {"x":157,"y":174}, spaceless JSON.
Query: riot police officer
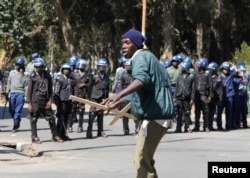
{"x":39,"y":97}
{"x":74,"y":73}
{"x":64,"y":87}
{"x":217,"y":92}
{"x":202,"y":94}
{"x":182,"y":97}
{"x":126,"y":79}
{"x":100,"y":90}
{"x":82,"y":87}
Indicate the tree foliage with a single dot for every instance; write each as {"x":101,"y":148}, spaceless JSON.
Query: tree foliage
{"x":92,"y":28}
{"x":242,"y":53}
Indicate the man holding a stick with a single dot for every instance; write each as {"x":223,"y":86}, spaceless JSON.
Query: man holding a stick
{"x":150,"y":83}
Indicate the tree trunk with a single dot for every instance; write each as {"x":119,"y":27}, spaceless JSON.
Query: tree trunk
{"x":66,"y":27}
{"x":2,"y":59}
{"x":199,"y":40}
{"x":168,"y":27}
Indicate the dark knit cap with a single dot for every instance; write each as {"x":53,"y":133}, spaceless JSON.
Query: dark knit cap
{"x":135,"y":36}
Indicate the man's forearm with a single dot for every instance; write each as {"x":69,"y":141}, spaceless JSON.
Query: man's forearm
{"x":134,"y":86}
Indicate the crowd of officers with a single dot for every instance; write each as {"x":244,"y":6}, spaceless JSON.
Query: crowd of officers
{"x":44,"y":88}
{"x":211,"y":89}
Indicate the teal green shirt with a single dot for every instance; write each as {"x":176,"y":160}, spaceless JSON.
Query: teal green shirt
{"x":145,"y":103}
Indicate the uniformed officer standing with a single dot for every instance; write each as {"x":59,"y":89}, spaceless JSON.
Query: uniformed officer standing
{"x":182,"y":97}
{"x":82,"y":87}
{"x":227,"y":78}
{"x":64,"y":87}
{"x":217,"y":92}
{"x":100,"y":91}
{"x":243,"y":97}
{"x":126,"y":79}
{"x":30,"y":67}
{"x":39,"y":97}
{"x":119,"y":71}
{"x":173,"y":72}
{"x":74,"y":73}
{"x":202,"y":94}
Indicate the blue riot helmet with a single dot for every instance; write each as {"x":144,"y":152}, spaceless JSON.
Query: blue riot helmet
{"x":187,"y":59}
{"x":39,"y":62}
{"x":225,"y":65}
{"x":34,"y":56}
{"x":175,"y":59}
{"x":20,"y":61}
{"x":213,"y":66}
{"x":73,"y":60}
{"x":65,"y":66}
{"x":81,"y":64}
{"x":102,"y":62}
{"x":180,"y":56}
{"x":122,"y":60}
{"x":240,"y":63}
{"x":167,"y":63}
{"x":203,"y":62}
{"x":185,"y":66}
{"x":241,"y":67}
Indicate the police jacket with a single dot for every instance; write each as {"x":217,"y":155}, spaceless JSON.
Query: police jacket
{"x":39,"y":87}
{"x":227,"y":82}
{"x":217,"y":89}
{"x":183,"y":88}
{"x":100,"y":86}
{"x":64,"y":87}
{"x":82,"y":78}
{"x":202,"y":85}
{"x":126,"y":79}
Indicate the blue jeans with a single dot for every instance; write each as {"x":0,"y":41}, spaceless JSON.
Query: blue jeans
{"x":16,"y":102}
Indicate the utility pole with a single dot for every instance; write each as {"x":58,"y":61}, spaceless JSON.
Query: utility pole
{"x":51,"y":46}
{"x":143,"y":27}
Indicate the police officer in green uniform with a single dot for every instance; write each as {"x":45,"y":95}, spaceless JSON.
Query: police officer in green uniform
{"x":173,"y":72}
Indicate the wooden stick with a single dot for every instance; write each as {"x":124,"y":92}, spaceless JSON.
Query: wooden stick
{"x":122,"y":112}
{"x":119,"y":113}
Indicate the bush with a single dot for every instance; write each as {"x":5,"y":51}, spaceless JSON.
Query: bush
{"x":242,"y":54}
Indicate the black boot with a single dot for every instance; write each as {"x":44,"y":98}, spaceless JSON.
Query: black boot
{"x":80,"y":122}
{"x":100,"y":132}
{"x":33,"y":125}
{"x":178,"y":121}
{"x":92,"y":116}
{"x":125,"y":122}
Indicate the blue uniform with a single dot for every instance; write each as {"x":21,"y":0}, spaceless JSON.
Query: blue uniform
{"x":227,"y":101}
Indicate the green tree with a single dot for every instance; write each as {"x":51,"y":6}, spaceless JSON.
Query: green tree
{"x":242,"y":54}
{"x":19,"y":33}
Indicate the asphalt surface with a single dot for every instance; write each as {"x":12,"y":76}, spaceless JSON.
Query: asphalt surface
{"x":184,"y":155}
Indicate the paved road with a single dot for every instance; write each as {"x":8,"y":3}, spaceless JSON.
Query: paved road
{"x":178,"y":156}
